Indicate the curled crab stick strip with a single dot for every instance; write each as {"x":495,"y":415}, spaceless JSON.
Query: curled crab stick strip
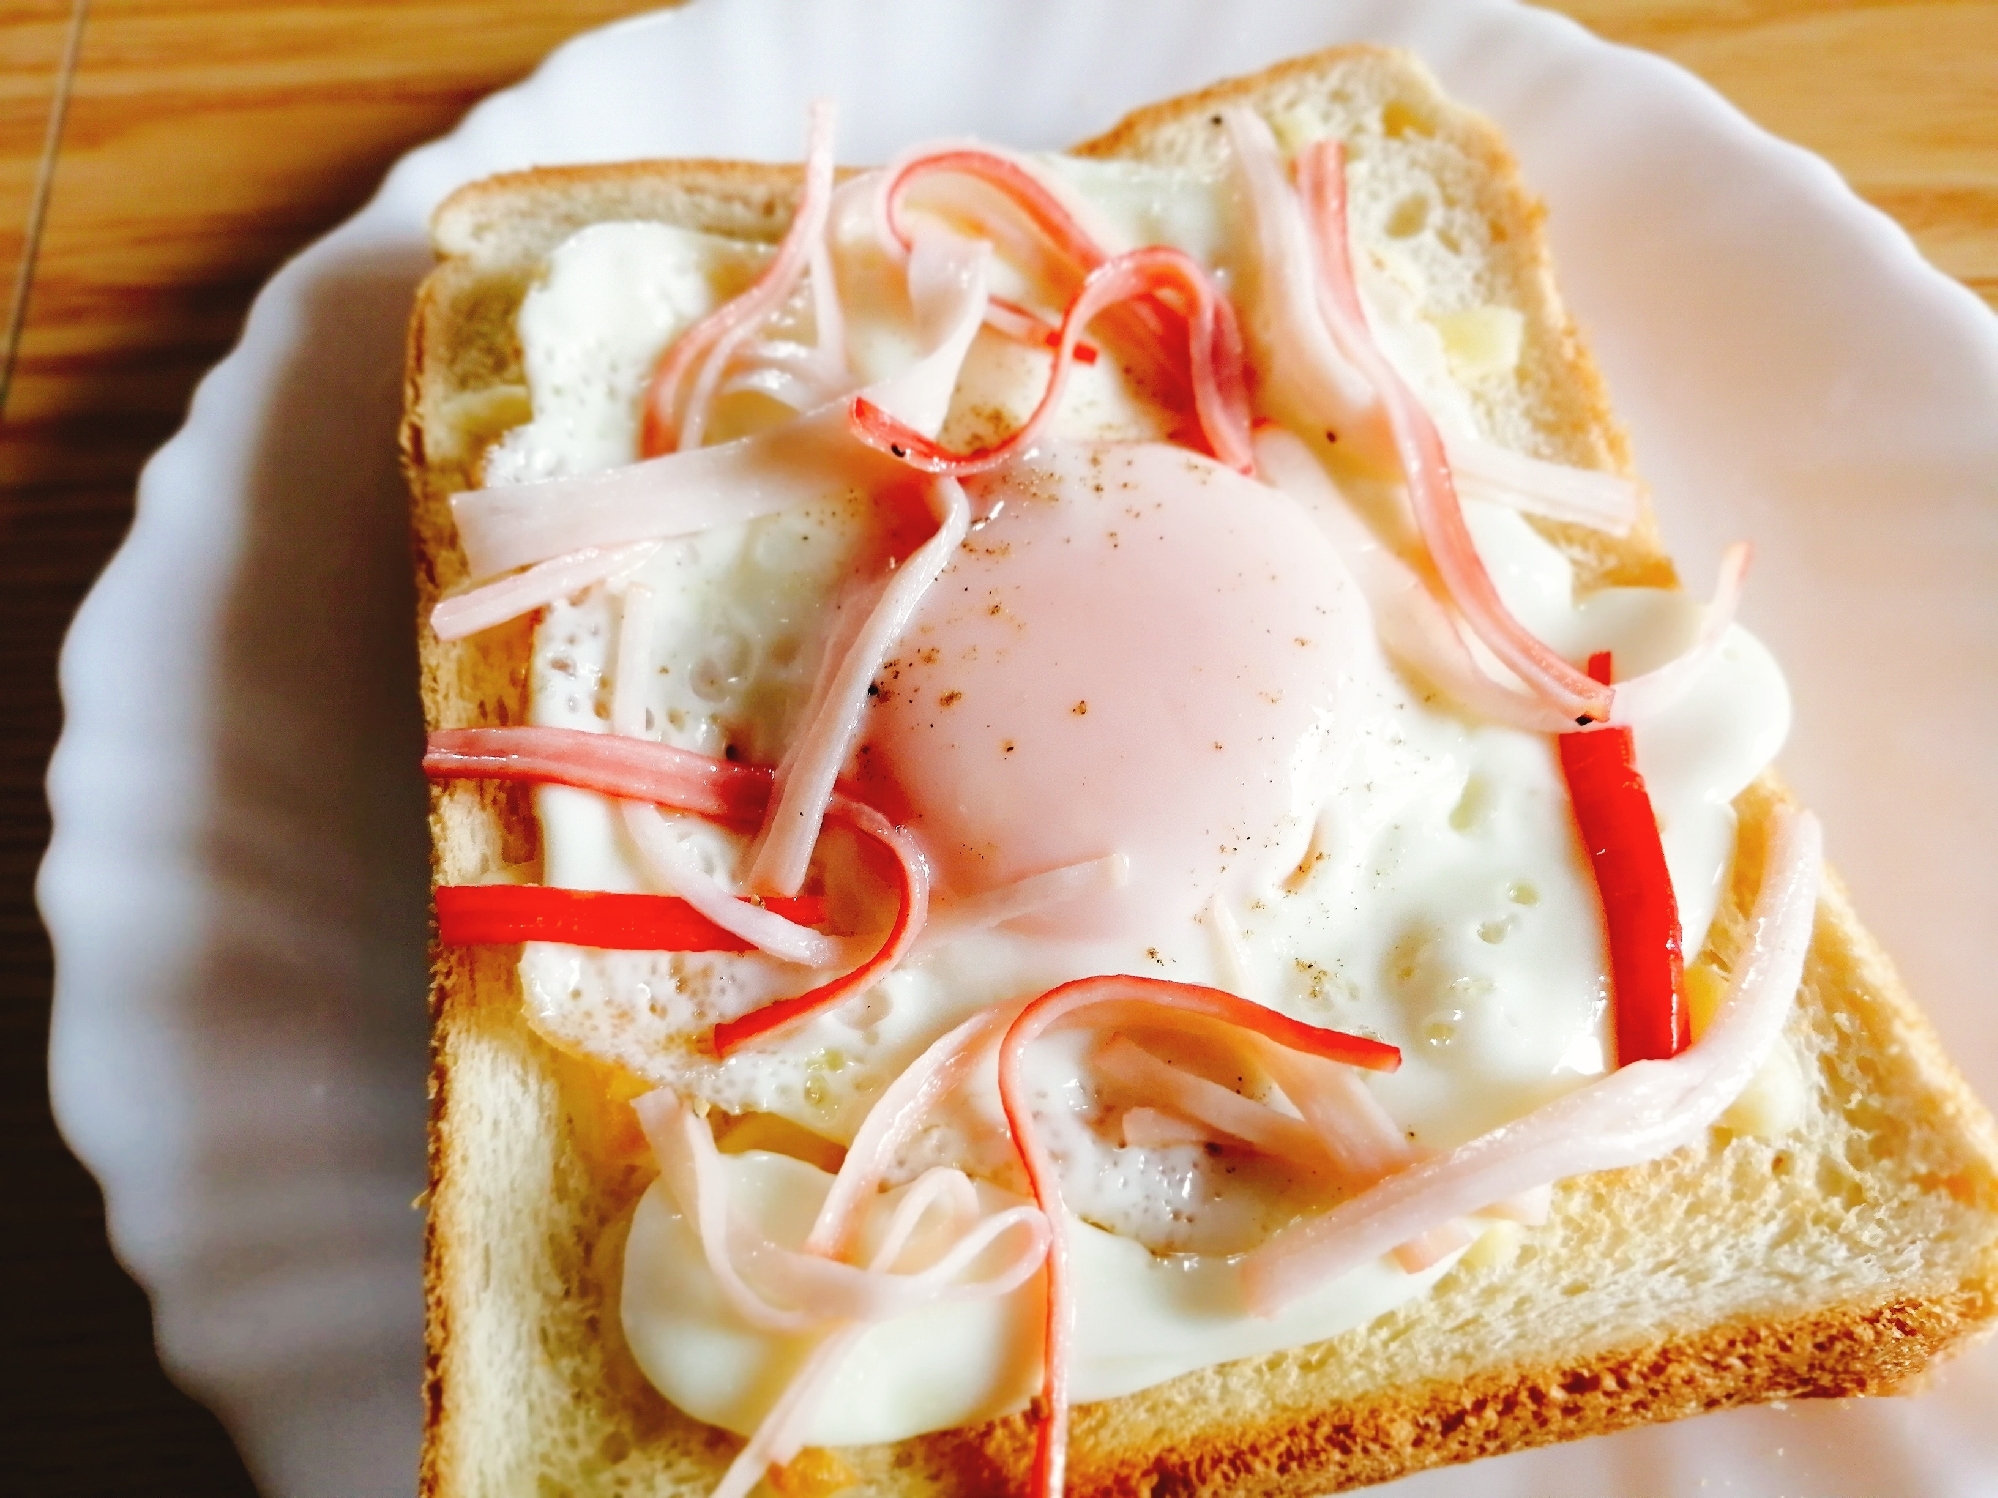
{"x":1064,"y":221}
{"x":1643,"y":697}
{"x":683,"y":386}
{"x":1214,"y":354}
{"x":547,"y":582}
{"x":895,"y":1118}
{"x":1321,"y":181}
{"x":804,"y":785}
{"x":912,"y":905}
{"x":639,"y":770}
{"x":1635,"y":1114}
{"x":1414,"y":624}
{"x":1312,"y":380}
{"x":1420,"y":631}
{"x":787,"y":1290}
{"x":678,"y":494}
{"x":1120,"y":1000}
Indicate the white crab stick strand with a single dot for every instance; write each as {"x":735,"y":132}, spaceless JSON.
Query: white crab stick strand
{"x":894,"y":1119}
{"x":1602,"y":501}
{"x":517,"y":525}
{"x":633,"y":662}
{"x":560,"y":577}
{"x":1633,"y":1115}
{"x":804,"y":785}
{"x":1645,"y":696}
{"x":667,"y":858}
{"x":740,"y":317}
{"x":676,"y":866}
{"x":1148,"y":1128}
{"x":994,"y":907}
{"x":1425,"y":467}
{"x":1307,"y":378}
{"x":1226,"y":1112}
{"x":1417,"y":629}
{"x":1414,"y":624}
{"x":781,"y":1433}
{"x":803,"y":1292}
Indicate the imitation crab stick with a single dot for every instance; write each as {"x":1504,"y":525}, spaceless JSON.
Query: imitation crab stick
{"x":1126,"y":1001}
{"x":1634,"y":1114}
{"x":1213,"y":360}
{"x":684,"y":385}
{"x":719,"y":790}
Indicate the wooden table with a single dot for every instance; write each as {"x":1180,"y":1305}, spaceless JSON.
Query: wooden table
{"x":159,"y":158}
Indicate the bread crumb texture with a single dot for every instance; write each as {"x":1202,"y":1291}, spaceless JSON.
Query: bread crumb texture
{"x":1838,"y":1257}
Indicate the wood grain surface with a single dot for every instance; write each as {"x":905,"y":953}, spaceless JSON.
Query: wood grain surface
{"x":206,"y":140}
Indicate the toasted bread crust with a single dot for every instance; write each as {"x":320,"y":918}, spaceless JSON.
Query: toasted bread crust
{"x":526,"y":1377}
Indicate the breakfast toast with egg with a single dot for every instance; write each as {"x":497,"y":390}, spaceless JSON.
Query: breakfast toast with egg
{"x":1834,"y":1236}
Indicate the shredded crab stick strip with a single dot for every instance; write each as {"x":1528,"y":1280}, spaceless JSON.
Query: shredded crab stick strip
{"x":684,"y":385}
{"x":1080,"y":238}
{"x":1635,"y":1114}
{"x":670,"y":861}
{"x":1347,"y":1134}
{"x":1419,"y":630}
{"x":793,"y":1291}
{"x":788,"y":1290}
{"x":1214,"y":356}
{"x":811,"y":764}
{"x":470,"y":915}
{"x":1204,"y":1101}
{"x":1121,"y":1000}
{"x":517,"y":525}
{"x":639,"y":770}
{"x":1062,"y":227}
{"x":1065,"y":240}
{"x":912,"y":906}
{"x":560,"y":577}
{"x":1321,"y":181}
{"x":1619,"y":831}
{"x":907,"y":1105}
{"x":1309,"y":381}
{"x":1414,"y":624}
{"x":1644,"y":696}
{"x":994,"y":907}
{"x":1148,"y":1128}
{"x":1606,"y":502}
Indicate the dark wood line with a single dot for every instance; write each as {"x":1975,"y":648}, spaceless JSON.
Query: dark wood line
{"x":38,"y":205}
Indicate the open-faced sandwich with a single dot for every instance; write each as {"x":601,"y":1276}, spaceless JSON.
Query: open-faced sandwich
{"x":1084,"y":844}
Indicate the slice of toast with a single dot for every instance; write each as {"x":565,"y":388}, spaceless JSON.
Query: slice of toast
{"x":1841,"y":1258}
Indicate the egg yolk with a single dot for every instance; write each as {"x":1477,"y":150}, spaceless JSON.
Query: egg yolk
{"x":1137,"y":651}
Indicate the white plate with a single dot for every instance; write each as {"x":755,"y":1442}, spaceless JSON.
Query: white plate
{"x":236,"y":883}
